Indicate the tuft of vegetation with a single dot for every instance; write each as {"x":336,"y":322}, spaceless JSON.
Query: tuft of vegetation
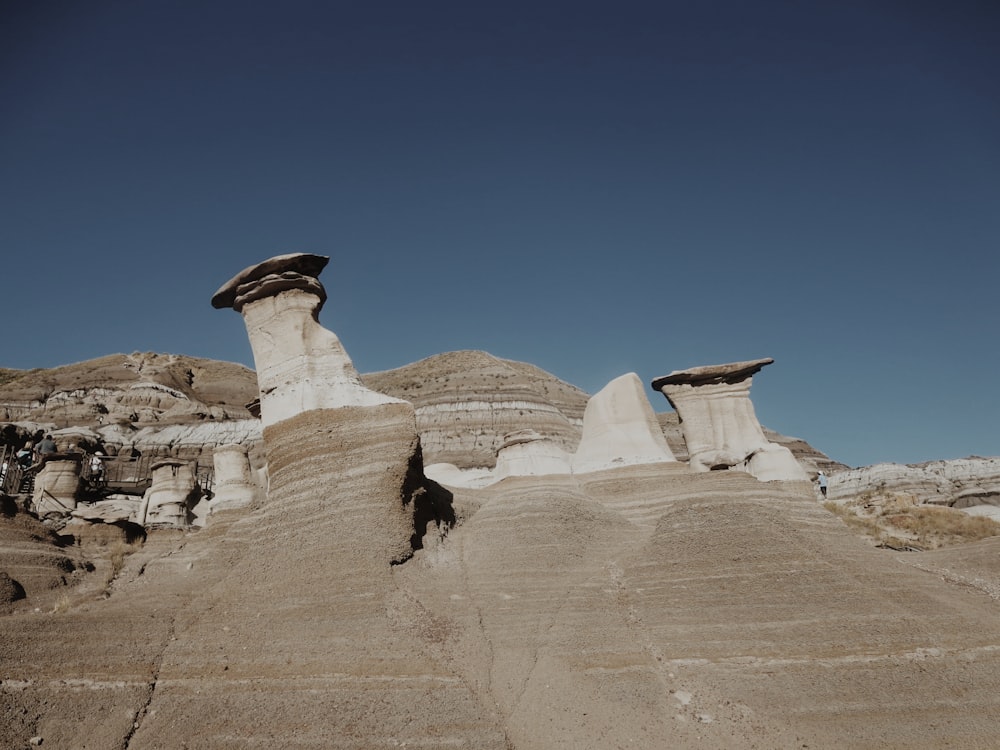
{"x":117,"y":553}
{"x":897,"y":521}
{"x":62,"y":604}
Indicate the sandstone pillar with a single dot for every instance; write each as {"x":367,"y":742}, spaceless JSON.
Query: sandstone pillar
{"x":57,"y":484}
{"x":719,"y":422}
{"x":321,"y":425}
{"x":233,"y":486}
{"x":171,"y":494}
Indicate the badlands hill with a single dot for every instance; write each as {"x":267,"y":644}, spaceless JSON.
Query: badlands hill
{"x":353,"y":602}
{"x":169,"y":404}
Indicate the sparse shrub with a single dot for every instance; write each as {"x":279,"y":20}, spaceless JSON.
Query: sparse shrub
{"x":62,"y":604}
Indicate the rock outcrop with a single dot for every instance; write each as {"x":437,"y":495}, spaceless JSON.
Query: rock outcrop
{"x":620,"y":429}
{"x":719,"y":423}
{"x":174,"y":491}
{"x":129,"y":389}
{"x":631,"y":606}
{"x":56,"y":485}
{"x":526,"y":453}
{"x":315,"y":410}
{"x":234,"y":485}
{"x":961,"y":483}
{"x":468,"y":402}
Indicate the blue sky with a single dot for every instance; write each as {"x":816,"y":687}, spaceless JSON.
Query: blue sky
{"x":595,"y":188}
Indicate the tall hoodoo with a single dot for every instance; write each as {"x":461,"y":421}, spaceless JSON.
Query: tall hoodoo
{"x":719,"y":422}
{"x":319,"y":420}
{"x":344,"y":473}
{"x":300,"y":365}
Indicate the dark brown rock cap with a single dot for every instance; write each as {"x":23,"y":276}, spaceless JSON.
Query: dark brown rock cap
{"x":286,"y":266}
{"x":734,"y":372}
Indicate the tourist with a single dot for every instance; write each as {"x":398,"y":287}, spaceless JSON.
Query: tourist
{"x":96,"y":467}
{"x":44,"y":448}
{"x":822,"y":483}
{"x":24,"y":456}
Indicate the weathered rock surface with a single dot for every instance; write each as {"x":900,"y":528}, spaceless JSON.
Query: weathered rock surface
{"x":129,"y":388}
{"x":234,"y":485}
{"x":548,"y":618}
{"x":620,"y":429}
{"x":56,"y":485}
{"x":301,"y":366}
{"x":172,"y":494}
{"x":467,"y":402}
{"x":359,"y":605}
{"x":960,"y":483}
{"x":526,"y":453}
{"x":719,"y":423}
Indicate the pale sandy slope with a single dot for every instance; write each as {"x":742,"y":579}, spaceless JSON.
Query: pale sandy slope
{"x":633,"y":608}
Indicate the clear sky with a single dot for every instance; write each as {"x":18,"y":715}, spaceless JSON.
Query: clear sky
{"x":595,"y":188}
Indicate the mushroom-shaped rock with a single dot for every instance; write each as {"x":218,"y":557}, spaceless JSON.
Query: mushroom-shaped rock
{"x":323,"y":430}
{"x":620,"y":429}
{"x":719,"y":422}
{"x":528,"y":453}
{"x":301,"y":366}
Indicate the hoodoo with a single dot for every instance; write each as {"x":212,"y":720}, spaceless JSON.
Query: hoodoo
{"x":719,"y":423}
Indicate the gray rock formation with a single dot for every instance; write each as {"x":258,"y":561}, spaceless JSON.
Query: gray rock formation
{"x":301,"y":366}
{"x":620,"y":429}
{"x":467,"y":402}
{"x":527,"y":453}
{"x":172,"y":494}
{"x":234,"y":485}
{"x":719,"y":423}
{"x":314,"y":408}
{"x":57,"y":485}
{"x":960,"y":483}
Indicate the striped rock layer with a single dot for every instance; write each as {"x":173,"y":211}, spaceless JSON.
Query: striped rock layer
{"x":637,"y":606}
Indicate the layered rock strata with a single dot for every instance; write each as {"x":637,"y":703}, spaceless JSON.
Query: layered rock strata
{"x":345,"y":475}
{"x":172,"y":493}
{"x":233,"y":483}
{"x":467,"y":402}
{"x":620,"y":428}
{"x":526,"y":453}
{"x":57,"y":484}
{"x":139,"y":388}
{"x":719,"y":423}
{"x":313,"y":404}
{"x":960,"y":483}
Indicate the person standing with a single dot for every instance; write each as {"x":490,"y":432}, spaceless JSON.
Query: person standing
{"x":97,"y":467}
{"x":822,"y":483}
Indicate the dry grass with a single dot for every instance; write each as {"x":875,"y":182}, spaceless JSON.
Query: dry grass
{"x":897,"y":521}
{"x":62,"y":604}
{"x":117,"y":553}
